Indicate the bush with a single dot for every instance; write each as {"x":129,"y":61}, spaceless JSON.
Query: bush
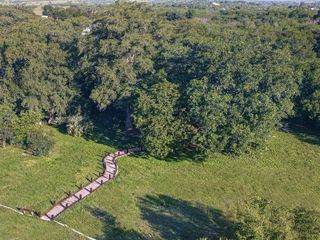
{"x":260,"y":219}
{"x":25,"y":124}
{"x":7,"y":117}
{"x":39,"y":143}
{"x":307,"y":223}
{"x":77,"y":125}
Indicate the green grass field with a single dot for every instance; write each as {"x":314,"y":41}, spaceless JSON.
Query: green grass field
{"x":151,"y":198}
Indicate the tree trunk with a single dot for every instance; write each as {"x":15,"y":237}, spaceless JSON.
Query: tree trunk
{"x":51,"y":118}
{"x":129,"y":125}
{"x":3,"y":143}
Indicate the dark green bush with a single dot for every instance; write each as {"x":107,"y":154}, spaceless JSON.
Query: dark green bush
{"x":307,"y":223}
{"x":39,"y":144}
{"x":261,"y":219}
{"x":7,"y":117}
{"x":26,"y":123}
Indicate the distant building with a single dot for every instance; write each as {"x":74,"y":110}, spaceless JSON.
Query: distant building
{"x":215,"y":4}
{"x":86,"y":31}
{"x":44,"y":16}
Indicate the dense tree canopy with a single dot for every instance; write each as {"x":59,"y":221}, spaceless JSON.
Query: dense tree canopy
{"x":35,"y":68}
{"x":309,"y":99}
{"x":156,"y":115}
{"x":233,"y":92}
{"x":194,"y":78}
{"x":119,"y":52}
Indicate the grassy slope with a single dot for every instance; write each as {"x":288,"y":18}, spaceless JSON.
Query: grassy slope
{"x":153,"y":198}
{"x":37,"y":180}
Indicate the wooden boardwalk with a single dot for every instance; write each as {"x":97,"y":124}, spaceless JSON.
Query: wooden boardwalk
{"x":110,"y":171}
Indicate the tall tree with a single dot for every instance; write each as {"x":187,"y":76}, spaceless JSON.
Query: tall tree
{"x":118,"y":54}
{"x":35,"y":72}
{"x":156,"y":115}
{"x":309,"y":98}
{"x":234,"y":92}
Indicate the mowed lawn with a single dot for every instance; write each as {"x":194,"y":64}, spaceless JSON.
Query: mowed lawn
{"x":151,"y":198}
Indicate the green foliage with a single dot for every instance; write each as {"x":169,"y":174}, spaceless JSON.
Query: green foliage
{"x":77,"y":125}
{"x":189,"y":14}
{"x":7,"y":118}
{"x":39,"y":143}
{"x":11,"y":15}
{"x":207,"y":114}
{"x":310,"y":93}
{"x":65,"y":13}
{"x":233,"y":75}
{"x":24,"y":124}
{"x":303,"y":14}
{"x":119,"y":52}
{"x":260,"y":219}
{"x":156,"y":117}
{"x":229,"y":78}
{"x":234,"y":93}
{"x":306,"y":223}
{"x":35,"y":70}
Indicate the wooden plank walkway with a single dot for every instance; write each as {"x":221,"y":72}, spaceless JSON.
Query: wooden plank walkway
{"x":110,"y":171}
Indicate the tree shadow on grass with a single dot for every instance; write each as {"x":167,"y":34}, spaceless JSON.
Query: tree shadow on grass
{"x":177,"y":156}
{"x":114,"y":138}
{"x":112,"y":229}
{"x":179,"y":219}
{"x":306,"y":134}
{"x":169,"y":218}
{"x":109,"y":129}
{"x":118,"y":138}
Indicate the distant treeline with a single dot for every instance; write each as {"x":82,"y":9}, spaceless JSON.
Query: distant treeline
{"x":207,"y":81}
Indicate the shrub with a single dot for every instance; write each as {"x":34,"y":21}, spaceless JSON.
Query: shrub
{"x":7,"y":117}
{"x":307,"y":223}
{"x":39,"y":144}
{"x":25,"y":124}
{"x":260,"y":219}
{"x":77,"y":125}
